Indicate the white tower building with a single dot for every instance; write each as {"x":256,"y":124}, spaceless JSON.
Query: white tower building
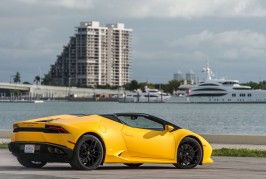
{"x":178,"y":76}
{"x":95,"y":55}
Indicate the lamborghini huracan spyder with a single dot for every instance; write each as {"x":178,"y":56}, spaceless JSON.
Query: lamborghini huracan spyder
{"x":87,"y":141}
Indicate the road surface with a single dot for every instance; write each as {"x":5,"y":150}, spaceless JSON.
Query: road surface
{"x":224,"y":167}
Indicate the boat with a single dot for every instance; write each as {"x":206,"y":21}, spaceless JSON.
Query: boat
{"x":146,"y":96}
{"x":217,"y":91}
{"x":38,"y":101}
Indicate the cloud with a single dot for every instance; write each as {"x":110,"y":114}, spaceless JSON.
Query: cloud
{"x":163,"y":8}
{"x":34,"y":41}
{"x":168,"y":34}
{"x":72,"y":4}
{"x":240,"y":38}
{"x":235,"y":44}
{"x":197,"y":8}
{"x":37,"y":37}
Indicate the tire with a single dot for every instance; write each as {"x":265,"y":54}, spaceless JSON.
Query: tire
{"x":31,"y":164}
{"x":133,"y":165}
{"x":88,"y":153}
{"x":189,"y":154}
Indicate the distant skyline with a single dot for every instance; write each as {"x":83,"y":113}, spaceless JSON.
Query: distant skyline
{"x":168,"y":35}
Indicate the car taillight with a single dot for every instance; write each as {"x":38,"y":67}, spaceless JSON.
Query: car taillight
{"x":55,"y":129}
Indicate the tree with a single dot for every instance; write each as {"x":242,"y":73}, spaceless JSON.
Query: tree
{"x":47,"y":80}
{"x":133,"y":85}
{"x":15,"y":92}
{"x":26,"y":83}
{"x":252,"y":84}
{"x":146,"y":84}
{"x":171,"y":86}
{"x":17,"y":78}
{"x":37,"y":79}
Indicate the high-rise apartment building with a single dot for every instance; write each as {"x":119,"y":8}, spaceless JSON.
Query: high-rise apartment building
{"x":190,"y":77}
{"x":178,"y":76}
{"x":95,"y":55}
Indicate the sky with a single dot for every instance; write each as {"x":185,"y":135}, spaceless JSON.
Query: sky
{"x":169,"y":36}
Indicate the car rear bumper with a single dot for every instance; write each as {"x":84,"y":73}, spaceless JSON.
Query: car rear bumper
{"x":44,"y":152}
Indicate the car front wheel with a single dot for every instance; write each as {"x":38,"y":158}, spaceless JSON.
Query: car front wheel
{"x":189,"y":153}
{"x":88,"y":153}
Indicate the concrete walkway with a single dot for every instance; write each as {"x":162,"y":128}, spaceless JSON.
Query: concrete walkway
{"x":4,"y":140}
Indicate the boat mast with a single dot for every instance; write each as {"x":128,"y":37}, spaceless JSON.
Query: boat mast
{"x":208,"y":71}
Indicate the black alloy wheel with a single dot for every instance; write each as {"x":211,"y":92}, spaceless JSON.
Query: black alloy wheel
{"x":88,"y":153}
{"x":133,"y":165}
{"x":31,"y":164}
{"x":189,"y":154}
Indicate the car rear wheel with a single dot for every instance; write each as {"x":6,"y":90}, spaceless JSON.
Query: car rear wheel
{"x":189,"y":153}
{"x":133,"y":165}
{"x":31,"y":164}
{"x":88,"y":153}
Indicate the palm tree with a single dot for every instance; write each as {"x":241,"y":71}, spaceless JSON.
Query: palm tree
{"x":37,"y":79}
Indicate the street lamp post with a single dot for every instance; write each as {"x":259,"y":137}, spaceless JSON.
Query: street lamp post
{"x":11,"y":78}
{"x":69,"y":80}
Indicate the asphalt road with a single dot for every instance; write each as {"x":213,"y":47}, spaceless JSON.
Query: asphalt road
{"x":224,"y":167}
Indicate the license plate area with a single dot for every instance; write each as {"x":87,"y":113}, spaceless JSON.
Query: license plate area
{"x":29,"y":148}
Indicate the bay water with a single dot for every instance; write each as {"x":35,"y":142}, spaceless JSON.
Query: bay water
{"x":225,"y":118}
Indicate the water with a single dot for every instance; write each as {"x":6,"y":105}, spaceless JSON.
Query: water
{"x":201,"y":118}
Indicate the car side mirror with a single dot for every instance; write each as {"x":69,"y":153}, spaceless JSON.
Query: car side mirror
{"x":168,"y":128}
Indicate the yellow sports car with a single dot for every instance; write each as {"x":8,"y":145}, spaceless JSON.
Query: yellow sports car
{"x":87,"y":141}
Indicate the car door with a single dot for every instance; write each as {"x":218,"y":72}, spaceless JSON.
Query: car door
{"x":147,"y":138}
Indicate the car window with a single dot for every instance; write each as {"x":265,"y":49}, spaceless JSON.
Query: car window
{"x":141,"y":122}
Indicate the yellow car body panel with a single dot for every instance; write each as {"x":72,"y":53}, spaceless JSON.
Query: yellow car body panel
{"x":144,"y":143}
{"x":122,"y":143}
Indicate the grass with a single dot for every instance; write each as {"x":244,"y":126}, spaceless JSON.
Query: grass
{"x":4,"y":146}
{"x":239,"y":152}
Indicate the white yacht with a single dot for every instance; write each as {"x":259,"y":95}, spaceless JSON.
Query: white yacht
{"x":218,"y":91}
{"x":146,"y":96}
